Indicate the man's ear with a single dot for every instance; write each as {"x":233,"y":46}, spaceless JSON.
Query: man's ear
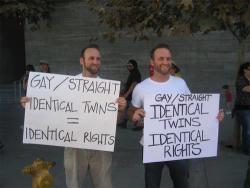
{"x":151,"y":63}
{"x":81,"y":61}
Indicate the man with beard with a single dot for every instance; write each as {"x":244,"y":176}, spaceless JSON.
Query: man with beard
{"x":133,"y":79}
{"x":77,"y":162}
{"x":161,"y":82}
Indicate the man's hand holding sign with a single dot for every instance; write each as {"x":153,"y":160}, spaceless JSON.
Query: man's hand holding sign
{"x":77,"y":112}
{"x":176,"y":122}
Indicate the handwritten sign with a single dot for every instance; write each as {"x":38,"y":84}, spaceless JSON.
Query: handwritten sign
{"x":71,"y":111}
{"x":180,"y":126}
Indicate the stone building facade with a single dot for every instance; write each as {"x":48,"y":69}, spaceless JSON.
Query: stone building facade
{"x":206,"y":61}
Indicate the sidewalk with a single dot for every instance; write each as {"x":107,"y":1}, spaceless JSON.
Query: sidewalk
{"x":227,"y":170}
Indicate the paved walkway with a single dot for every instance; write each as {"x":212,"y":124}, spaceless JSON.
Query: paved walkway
{"x":228,"y":170}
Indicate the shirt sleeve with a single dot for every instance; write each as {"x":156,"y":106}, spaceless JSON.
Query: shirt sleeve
{"x":186,"y":89}
{"x":137,"y":97}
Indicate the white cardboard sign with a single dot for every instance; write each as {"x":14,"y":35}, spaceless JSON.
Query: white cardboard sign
{"x":180,"y":126}
{"x":71,"y":111}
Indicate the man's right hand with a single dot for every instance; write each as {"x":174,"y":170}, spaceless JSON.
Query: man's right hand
{"x":24,"y":100}
{"x":138,"y":115}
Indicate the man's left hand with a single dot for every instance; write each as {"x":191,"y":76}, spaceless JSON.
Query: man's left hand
{"x":220,"y":115}
{"x":122,"y":103}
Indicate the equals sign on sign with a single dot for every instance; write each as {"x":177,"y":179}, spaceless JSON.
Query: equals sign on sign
{"x":71,"y":120}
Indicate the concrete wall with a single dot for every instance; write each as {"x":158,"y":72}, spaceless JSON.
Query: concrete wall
{"x":207,"y":61}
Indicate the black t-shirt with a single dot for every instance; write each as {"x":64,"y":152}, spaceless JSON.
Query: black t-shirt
{"x":242,"y":97}
{"x":134,"y":76}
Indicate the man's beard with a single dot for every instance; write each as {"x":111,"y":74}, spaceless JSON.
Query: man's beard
{"x":93,"y":69}
{"x":163,"y":69}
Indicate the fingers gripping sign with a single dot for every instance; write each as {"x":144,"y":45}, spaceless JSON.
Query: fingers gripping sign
{"x":24,"y":100}
{"x":138,"y":115}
